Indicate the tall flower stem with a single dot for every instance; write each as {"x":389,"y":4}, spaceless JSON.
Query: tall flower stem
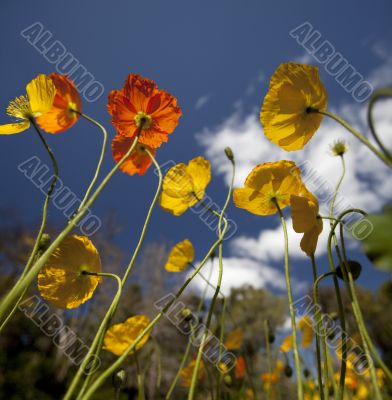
{"x":97,"y":170}
{"x":37,"y":242}
{"x":112,"y":368}
{"x":298,"y":371}
{"x":192,"y":389}
{"x":358,"y":135}
{"x":318,"y":331}
{"x":24,"y":282}
{"x":92,"y":352}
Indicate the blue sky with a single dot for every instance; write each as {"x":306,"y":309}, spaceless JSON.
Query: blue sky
{"x":216,"y":58}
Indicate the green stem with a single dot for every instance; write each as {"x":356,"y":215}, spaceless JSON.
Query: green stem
{"x":140,"y":379}
{"x":96,"y":174}
{"x":192,"y":389}
{"x":300,"y":394}
{"x":378,"y":94}
{"x":93,"y":350}
{"x":358,"y":135}
{"x":24,"y":282}
{"x":43,"y":221}
{"x":318,"y":328}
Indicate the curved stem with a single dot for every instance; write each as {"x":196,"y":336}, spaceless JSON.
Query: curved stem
{"x":24,"y":282}
{"x":43,"y":221}
{"x":93,"y":351}
{"x":378,"y":94}
{"x":318,"y":330}
{"x":358,"y":135}
{"x":300,"y":394}
{"x":192,"y":389}
{"x":96,"y":174}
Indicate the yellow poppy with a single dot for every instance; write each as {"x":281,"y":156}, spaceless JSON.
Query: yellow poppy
{"x":180,"y":256}
{"x":187,"y":372}
{"x":120,"y":336}
{"x":304,"y":213}
{"x":305,"y":325}
{"x":234,"y":339}
{"x":267,"y":183}
{"x":61,"y":281}
{"x":39,"y":100}
{"x":184,"y":185}
{"x":287,"y":344}
{"x":294,"y":90}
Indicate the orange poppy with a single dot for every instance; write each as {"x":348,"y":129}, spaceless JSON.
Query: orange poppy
{"x":141,"y":102}
{"x":61,"y":117}
{"x":138,"y":162}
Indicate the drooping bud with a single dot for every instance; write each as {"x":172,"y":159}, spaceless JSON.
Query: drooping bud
{"x":229,"y":153}
{"x":288,"y":371}
{"x":353,"y":266}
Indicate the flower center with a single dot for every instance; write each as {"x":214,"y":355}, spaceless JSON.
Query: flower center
{"x":72,"y":107}
{"x":143,"y":119}
{"x":20,"y":108}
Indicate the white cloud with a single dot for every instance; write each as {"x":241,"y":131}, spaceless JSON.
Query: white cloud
{"x":239,"y":271}
{"x":201,"y":102}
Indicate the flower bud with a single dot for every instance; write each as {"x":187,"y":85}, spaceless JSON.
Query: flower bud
{"x":229,"y":153}
{"x":44,"y":242}
{"x":186,"y":314}
{"x":353,"y":266}
{"x":119,"y":379}
{"x":288,"y":371}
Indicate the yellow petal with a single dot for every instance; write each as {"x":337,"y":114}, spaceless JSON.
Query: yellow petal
{"x":310,"y":238}
{"x":10,"y":129}
{"x":200,"y":171}
{"x":173,"y":205}
{"x":303,"y":213}
{"x":306,"y":326}
{"x":234,"y":339}
{"x":178,"y":183}
{"x":60,"y":280}
{"x":287,"y":344}
{"x":41,"y":92}
{"x":187,"y":373}
{"x":120,"y":336}
{"x":180,"y":256}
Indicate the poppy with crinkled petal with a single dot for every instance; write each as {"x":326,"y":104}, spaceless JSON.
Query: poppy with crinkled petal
{"x":184,"y":185}
{"x":286,"y":115}
{"x":67,"y":100}
{"x":61,"y":281}
{"x":40,"y":94}
{"x":138,"y":162}
{"x":180,"y":256}
{"x":141,"y":104}
{"x":267,"y":184}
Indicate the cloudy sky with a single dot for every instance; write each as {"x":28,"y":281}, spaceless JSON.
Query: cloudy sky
{"x":216,"y":58}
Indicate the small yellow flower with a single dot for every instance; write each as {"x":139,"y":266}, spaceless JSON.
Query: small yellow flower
{"x":304,"y":213}
{"x":339,"y":148}
{"x":120,"y":336}
{"x":61,"y":281}
{"x":294,"y":90}
{"x":187,"y":372}
{"x":287,"y":344}
{"x":39,"y":100}
{"x":267,"y":184}
{"x":184,"y":185}
{"x":234,"y":339}
{"x":180,"y":256}
{"x":305,"y":325}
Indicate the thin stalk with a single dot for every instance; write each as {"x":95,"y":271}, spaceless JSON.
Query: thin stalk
{"x":97,"y":170}
{"x":24,"y":282}
{"x":140,"y":379}
{"x":192,"y":389}
{"x":358,"y":135}
{"x":300,"y":393}
{"x":268,"y":351}
{"x":93,"y":350}
{"x":318,"y":328}
{"x":43,"y":221}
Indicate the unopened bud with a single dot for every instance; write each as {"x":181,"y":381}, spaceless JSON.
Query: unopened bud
{"x":186,"y":314}
{"x":119,"y":379}
{"x":229,"y":153}
{"x":44,"y":242}
{"x":288,"y":371}
{"x":353,"y":266}
{"x":271,"y":338}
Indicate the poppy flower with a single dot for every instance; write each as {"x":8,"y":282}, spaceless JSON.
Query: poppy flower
{"x":269,"y":183}
{"x":287,"y":344}
{"x":61,"y":281}
{"x":141,"y":102}
{"x":234,"y":339}
{"x":187,"y":372}
{"x":61,"y":115}
{"x":184,"y":185}
{"x":120,"y":336}
{"x":294,"y":91}
{"x":304,"y":213}
{"x":180,"y":256}
{"x":305,"y":325}
{"x":138,"y":162}
{"x":40,"y":94}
